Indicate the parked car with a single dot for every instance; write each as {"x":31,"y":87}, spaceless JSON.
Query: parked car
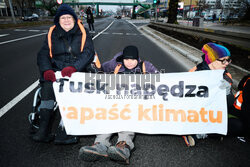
{"x":208,"y":17}
{"x":33,"y":17}
{"x":119,"y":17}
{"x":179,"y":17}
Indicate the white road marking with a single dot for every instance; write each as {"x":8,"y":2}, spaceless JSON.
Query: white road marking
{"x":18,"y":98}
{"x":132,"y":24}
{"x":117,"y":33}
{"x":103,"y":30}
{"x":131,"y":34}
{"x":14,"y":101}
{"x":20,"y":30}
{"x":34,"y":30}
{"x":19,"y":39}
{"x":3,"y":35}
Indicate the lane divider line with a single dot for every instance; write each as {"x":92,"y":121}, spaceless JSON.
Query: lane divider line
{"x":19,"y":39}
{"x":20,"y":30}
{"x":3,"y":35}
{"x":103,"y":30}
{"x":18,"y":98}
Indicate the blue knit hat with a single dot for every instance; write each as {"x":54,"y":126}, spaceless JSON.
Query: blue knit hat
{"x":62,"y":10}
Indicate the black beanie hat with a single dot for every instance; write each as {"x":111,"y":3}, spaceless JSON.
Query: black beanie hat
{"x":129,"y":52}
{"x":62,"y":10}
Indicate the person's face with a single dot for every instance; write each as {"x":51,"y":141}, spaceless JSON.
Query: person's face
{"x":130,"y":63}
{"x":67,"y":22}
{"x":221,"y":64}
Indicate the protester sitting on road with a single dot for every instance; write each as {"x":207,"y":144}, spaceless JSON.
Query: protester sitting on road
{"x":216,"y":57}
{"x":128,"y":62}
{"x":68,"y":48}
{"x":241,"y":109}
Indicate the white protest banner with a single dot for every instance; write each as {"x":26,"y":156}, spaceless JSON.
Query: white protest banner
{"x":169,"y":103}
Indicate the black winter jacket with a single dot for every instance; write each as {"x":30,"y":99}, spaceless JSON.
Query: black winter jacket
{"x":61,"y":42}
{"x":204,"y":66}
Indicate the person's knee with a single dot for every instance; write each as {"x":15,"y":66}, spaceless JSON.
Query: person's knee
{"x":47,"y":92}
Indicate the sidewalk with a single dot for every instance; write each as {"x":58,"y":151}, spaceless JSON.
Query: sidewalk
{"x":219,"y":26}
{"x":206,"y":24}
{"x":176,"y":47}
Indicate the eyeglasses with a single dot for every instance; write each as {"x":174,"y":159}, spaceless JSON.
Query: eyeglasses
{"x":66,"y":18}
{"x":224,"y":61}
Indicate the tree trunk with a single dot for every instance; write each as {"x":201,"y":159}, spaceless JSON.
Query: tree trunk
{"x":172,"y":11}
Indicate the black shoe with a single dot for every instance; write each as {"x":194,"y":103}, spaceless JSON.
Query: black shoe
{"x":43,"y":133}
{"x":62,"y":138}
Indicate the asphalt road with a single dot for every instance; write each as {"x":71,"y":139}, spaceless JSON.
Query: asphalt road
{"x":18,"y":71}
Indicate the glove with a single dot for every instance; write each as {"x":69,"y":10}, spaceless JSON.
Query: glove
{"x":225,"y":85}
{"x":49,"y":75}
{"x":67,"y":71}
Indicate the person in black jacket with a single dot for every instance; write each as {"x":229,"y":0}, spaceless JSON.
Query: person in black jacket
{"x":90,"y":19}
{"x":241,"y":111}
{"x":63,"y":50}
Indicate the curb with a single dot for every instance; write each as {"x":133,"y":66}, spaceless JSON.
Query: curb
{"x":237,"y":72}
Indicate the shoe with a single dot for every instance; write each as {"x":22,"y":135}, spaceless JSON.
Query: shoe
{"x":62,"y":138}
{"x":93,"y":153}
{"x":189,"y":140}
{"x":43,"y":133}
{"x":93,"y":31}
{"x":120,"y":152}
{"x":201,"y":136}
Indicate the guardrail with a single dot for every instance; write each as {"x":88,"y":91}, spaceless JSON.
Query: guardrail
{"x":234,"y":38}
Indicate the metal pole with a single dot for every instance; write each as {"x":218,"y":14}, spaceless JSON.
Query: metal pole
{"x":12,"y":12}
{"x":190,"y":11}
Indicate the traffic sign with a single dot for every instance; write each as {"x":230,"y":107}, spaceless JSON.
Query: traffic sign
{"x":59,"y":1}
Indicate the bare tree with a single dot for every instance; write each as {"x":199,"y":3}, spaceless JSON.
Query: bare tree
{"x":24,"y":5}
{"x":173,"y":10}
{"x":203,"y":5}
{"x":218,"y":4}
{"x":244,"y":11}
{"x":50,"y":5}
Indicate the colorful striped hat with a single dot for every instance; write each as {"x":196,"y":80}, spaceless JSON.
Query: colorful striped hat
{"x":214,"y":51}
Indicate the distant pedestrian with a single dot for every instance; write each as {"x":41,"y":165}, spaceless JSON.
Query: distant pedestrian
{"x":214,"y":17}
{"x":90,"y":19}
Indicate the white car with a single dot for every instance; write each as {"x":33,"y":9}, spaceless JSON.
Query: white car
{"x":179,"y":16}
{"x":33,"y":17}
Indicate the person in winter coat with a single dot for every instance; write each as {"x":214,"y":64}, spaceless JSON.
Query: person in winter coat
{"x":90,"y":19}
{"x":68,"y":48}
{"x":127,"y":61}
{"x":216,"y":57}
{"x":241,"y":111}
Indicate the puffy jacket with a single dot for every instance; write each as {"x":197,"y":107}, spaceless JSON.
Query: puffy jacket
{"x":110,"y":66}
{"x":61,"y":42}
